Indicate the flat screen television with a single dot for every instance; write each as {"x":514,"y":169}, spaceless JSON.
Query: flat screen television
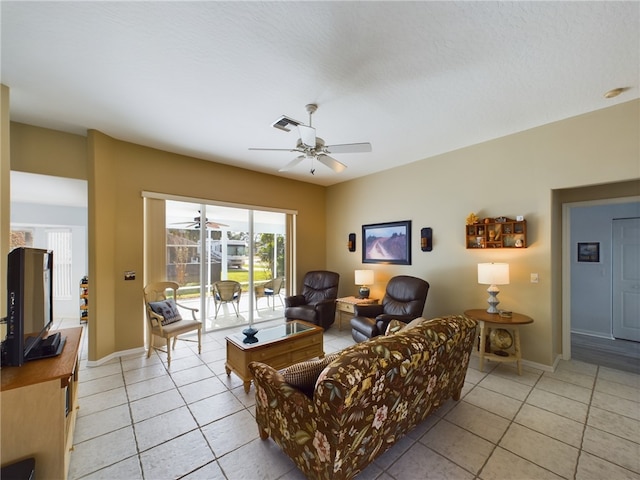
{"x":29,"y":305}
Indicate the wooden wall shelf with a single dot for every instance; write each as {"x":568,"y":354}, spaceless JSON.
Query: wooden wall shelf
{"x":500,"y":232}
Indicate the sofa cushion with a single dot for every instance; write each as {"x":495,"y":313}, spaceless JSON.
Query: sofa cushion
{"x":167,"y":309}
{"x":303,"y":375}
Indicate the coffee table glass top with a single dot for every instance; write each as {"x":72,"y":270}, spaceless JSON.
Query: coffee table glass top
{"x":271,"y":334}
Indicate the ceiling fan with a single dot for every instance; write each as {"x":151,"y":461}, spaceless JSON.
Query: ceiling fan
{"x":197,"y":221}
{"x":313,"y":147}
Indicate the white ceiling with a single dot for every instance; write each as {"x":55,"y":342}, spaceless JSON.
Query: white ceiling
{"x":415,"y":79}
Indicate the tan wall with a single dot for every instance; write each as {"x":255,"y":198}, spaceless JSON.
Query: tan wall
{"x":48,"y":152}
{"x":119,"y":172}
{"x":5,"y":198}
{"x":510,"y":176}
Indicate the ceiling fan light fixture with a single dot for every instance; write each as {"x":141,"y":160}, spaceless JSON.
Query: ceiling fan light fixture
{"x":284,"y":123}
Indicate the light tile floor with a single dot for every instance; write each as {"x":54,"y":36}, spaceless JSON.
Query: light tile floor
{"x":140,"y":420}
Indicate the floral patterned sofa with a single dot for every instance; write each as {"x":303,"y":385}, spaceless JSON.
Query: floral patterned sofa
{"x":366,"y":398}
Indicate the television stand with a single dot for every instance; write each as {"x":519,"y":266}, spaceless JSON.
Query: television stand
{"x":51,"y":346}
{"x":38,"y":410}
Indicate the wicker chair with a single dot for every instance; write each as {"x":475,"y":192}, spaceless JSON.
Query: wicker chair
{"x":270,"y":290}
{"x":227,"y":291}
{"x":164,"y":318}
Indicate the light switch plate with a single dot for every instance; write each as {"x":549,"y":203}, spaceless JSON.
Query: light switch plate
{"x":534,"y":278}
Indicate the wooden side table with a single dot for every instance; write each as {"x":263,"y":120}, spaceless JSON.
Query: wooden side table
{"x":347,"y":305}
{"x":488,"y":321}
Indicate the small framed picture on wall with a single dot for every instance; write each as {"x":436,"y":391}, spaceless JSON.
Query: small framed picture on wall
{"x":589,"y":252}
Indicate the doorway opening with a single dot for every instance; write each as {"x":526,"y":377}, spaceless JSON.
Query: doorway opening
{"x":591,"y":295}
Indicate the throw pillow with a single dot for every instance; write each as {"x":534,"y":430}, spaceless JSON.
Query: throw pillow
{"x":394,"y":327}
{"x":167,"y":309}
{"x":413,"y":323}
{"x":303,"y":375}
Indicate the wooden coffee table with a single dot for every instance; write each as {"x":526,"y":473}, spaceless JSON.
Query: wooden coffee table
{"x":279,"y":346}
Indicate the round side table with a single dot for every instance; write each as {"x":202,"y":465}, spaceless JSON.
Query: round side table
{"x":487,"y":321}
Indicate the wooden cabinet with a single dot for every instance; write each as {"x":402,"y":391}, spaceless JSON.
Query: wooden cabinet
{"x":84,"y":300}
{"x":498,"y":232}
{"x":39,"y":408}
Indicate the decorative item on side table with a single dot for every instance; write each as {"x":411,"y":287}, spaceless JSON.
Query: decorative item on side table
{"x":250,"y":335}
{"x":493,"y":274}
{"x":363,"y":278}
{"x":502,"y":340}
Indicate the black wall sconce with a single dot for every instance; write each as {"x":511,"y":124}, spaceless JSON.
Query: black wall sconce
{"x":352,"y":242}
{"x":426,"y":241}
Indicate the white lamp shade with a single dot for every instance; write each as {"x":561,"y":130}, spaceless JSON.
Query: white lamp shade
{"x":364,"y":277}
{"x":493,"y":273}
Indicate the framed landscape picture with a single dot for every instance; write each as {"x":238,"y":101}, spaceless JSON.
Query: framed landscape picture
{"x":589,"y":252}
{"x":387,"y":243}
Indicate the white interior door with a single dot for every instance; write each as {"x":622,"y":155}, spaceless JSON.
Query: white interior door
{"x":626,"y":279}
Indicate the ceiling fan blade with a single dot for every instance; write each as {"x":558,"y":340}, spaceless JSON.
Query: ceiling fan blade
{"x":332,"y":163}
{"x":348,"y":148}
{"x":276,"y":149}
{"x":184,"y":225}
{"x":216,"y":225}
{"x":292,"y":163}
{"x":307,"y":135}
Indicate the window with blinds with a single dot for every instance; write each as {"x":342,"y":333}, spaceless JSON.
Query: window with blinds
{"x":59,"y":241}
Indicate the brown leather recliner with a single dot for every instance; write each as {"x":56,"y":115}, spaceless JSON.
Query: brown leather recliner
{"x":403,"y":300}
{"x":317,"y":302}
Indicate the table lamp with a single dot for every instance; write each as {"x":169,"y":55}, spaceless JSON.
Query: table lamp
{"x":364,"y":278}
{"x":493,"y":274}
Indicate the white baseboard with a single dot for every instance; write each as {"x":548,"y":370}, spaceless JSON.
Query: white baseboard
{"x":590,"y":333}
{"x":539,"y":366}
{"x":125,"y":353}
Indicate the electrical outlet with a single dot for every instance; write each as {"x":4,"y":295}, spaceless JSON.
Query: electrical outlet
{"x":534,"y":278}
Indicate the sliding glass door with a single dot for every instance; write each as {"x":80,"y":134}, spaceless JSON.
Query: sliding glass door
{"x":207,"y":243}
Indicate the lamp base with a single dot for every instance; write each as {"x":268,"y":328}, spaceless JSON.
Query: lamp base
{"x":493,"y":299}
{"x":363,"y":292}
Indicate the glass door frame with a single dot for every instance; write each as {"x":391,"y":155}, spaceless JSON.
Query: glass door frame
{"x":288,"y":234}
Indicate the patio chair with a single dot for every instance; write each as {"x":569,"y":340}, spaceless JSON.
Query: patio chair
{"x":164,"y":318}
{"x":227,"y":291}
{"x":270,"y":290}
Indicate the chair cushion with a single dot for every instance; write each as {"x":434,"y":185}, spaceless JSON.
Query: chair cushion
{"x":168,"y":309}
{"x":303,"y":375}
{"x":303,"y":312}
{"x":177,"y":328}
